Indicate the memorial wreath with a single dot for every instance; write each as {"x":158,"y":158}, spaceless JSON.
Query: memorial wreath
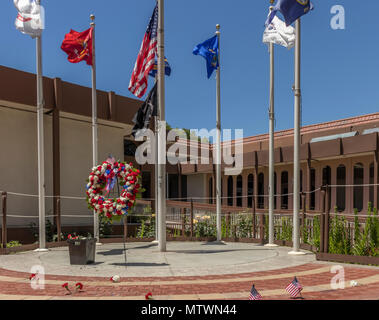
{"x":105,"y":176}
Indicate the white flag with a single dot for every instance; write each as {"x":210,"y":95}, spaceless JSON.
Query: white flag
{"x":30,"y":18}
{"x":278,"y":33}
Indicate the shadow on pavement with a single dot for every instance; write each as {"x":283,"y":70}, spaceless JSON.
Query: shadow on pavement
{"x":113,"y":252}
{"x":211,"y":251}
{"x":140,"y":264}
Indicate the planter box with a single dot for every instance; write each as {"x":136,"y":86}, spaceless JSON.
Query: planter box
{"x":82,"y":252}
{"x":343,"y":258}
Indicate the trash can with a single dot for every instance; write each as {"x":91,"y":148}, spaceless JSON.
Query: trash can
{"x":82,"y":251}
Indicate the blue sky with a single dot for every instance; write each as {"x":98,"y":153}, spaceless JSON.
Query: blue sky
{"x":339,"y":67}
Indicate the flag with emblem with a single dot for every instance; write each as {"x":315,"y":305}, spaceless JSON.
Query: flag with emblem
{"x":209,"y":50}
{"x":290,"y":9}
{"x":147,"y":110}
{"x":167,"y":69}
{"x":278,"y":33}
{"x":30,"y":18}
{"x":254,"y":295}
{"x":294,"y":288}
{"x":146,"y":58}
{"x":78,"y":46}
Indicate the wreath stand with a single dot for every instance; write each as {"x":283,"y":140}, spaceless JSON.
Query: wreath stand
{"x":130,"y":177}
{"x":125,"y":220}
{"x":125,"y":237}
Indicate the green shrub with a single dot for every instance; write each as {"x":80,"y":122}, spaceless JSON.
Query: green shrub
{"x":244,"y":228}
{"x":315,"y":237}
{"x":105,"y":226}
{"x":339,"y":235}
{"x":205,"y":226}
{"x":266,"y":224}
{"x":223,"y":228}
{"x":305,"y":232}
{"x":285,"y":232}
{"x":364,"y":244}
{"x":51,"y":231}
{"x":12,"y":244}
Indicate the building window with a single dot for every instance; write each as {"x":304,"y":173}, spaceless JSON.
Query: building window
{"x":371,"y":188}
{"x":341,"y":191}
{"x":284,"y":190}
{"x":230,"y":191}
{"x":210,"y":190}
{"x":173,"y":186}
{"x":301,"y":189}
{"x":250,"y":190}
{"x":312,"y":205}
{"x":327,"y":180}
{"x":222,"y":191}
{"x":184,"y":188}
{"x":129,"y":148}
{"x":326,"y":176}
{"x":146,"y":184}
{"x":358,"y":188}
{"x":261,"y":190}
{"x":239,"y":191}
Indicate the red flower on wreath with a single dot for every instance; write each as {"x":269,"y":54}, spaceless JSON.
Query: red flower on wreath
{"x":32,"y":276}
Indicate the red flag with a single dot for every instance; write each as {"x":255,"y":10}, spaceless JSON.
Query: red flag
{"x":78,"y":46}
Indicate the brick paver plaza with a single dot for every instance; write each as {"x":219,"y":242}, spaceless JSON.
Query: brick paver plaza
{"x":188,"y":270}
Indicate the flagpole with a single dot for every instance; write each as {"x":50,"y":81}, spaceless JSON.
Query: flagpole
{"x":41,"y":152}
{"x":271,"y":151}
{"x":218,"y":144}
{"x":161,"y":132}
{"x":271,"y":143}
{"x":156,"y":124}
{"x":296,"y":166}
{"x":94,"y":123}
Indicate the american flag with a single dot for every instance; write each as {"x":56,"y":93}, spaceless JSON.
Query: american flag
{"x":146,"y":58}
{"x":254,"y":295}
{"x":294,"y":288}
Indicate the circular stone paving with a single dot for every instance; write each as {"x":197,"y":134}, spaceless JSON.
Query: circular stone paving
{"x":145,"y":260}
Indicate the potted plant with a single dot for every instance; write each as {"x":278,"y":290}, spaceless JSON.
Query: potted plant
{"x":82,"y":249}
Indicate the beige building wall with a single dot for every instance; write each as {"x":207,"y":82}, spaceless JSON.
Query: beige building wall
{"x":197,"y":187}
{"x":76,"y":162}
{"x":19,"y":165}
{"x":349,"y":162}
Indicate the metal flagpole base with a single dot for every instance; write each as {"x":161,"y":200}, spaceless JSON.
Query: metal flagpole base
{"x":218,"y":242}
{"x":41,"y":250}
{"x":296,"y":253}
{"x":271,"y":245}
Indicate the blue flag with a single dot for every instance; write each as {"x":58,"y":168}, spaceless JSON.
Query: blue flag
{"x":209,"y":50}
{"x":167,"y":69}
{"x":291,"y":10}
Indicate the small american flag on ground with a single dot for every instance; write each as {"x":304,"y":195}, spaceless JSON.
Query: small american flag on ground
{"x":294,"y":288}
{"x":146,"y":58}
{"x":254,"y":295}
